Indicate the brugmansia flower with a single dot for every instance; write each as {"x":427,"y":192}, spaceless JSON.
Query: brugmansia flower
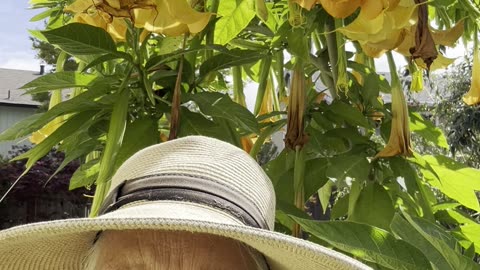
{"x":295,"y":135}
{"x":171,"y":18}
{"x":340,"y":8}
{"x":399,"y":141}
{"x":86,"y":12}
{"x":473,"y":95}
{"x":168,"y":17}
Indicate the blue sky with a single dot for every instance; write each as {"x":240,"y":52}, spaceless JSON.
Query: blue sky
{"x":15,"y":48}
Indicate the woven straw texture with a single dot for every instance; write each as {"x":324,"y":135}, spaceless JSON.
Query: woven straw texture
{"x":205,"y":158}
{"x":63,"y":244}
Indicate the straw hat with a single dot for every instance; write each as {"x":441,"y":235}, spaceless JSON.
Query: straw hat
{"x":194,"y":184}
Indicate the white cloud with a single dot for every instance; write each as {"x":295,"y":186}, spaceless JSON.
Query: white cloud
{"x":25,"y":62}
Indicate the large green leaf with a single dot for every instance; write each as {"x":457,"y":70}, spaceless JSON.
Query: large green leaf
{"x":466,"y":226}
{"x":221,"y":106}
{"x":353,"y":166}
{"x":368,"y":243}
{"x":81,"y":39}
{"x":403,"y":229}
{"x":66,"y":129}
{"x":18,"y":129}
{"x":59,"y":80}
{"x":439,"y":247}
{"x":82,"y":102}
{"x":349,"y":114}
{"x":374,"y":207}
{"x":85,"y":175}
{"x":196,"y":124}
{"x":415,"y":187}
{"x":235,"y":17}
{"x":235,"y":57}
{"x":427,"y":130}
{"x":327,"y":145}
{"x":314,"y":177}
{"x":454,"y":179}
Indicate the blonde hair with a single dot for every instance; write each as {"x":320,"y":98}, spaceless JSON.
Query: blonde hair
{"x":173,"y":250}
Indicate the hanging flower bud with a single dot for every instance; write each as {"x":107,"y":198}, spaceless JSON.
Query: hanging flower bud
{"x":424,"y":44}
{"x":399,"y":141}
{"x":473,"y":95}
{"x":295,"y":135}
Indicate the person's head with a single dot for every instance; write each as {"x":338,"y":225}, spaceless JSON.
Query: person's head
{"x":190,"y":203}
{"x":173,"y":250}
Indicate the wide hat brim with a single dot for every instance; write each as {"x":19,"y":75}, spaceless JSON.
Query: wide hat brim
{"x":64,"y":244}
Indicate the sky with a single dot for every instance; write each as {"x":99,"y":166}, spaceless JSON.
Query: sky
{"x":16,"y":51}
{"x":15,"y":48}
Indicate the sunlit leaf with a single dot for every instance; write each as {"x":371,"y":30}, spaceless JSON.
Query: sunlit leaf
{"x":368,"y":243}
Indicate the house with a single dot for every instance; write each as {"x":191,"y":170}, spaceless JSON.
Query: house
{"x":14,"y":105}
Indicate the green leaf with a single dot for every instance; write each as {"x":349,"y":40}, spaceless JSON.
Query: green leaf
{"x":454,"y":179}
{"x":66,"y":129}
{"x":326,"y":145}
{"x":298,"y":44}
{"x":81,"y":39}
{"x":350,"y":115}
{"x":314,"y":177}
{"x":415,"y":187}
{"x":467,"y":227}
{"x":115,"y":135}
{"x":367,"y":243}
{"x":139,"y":134}
{"x":236,"y":15}
{"x":324,"y":195}
{"x":196,"y":124}
{"x":59,"y":80}
{"x":18,"y":129}
{"x":427,"y":130}
{"x":434,"y":241}
{"x":107,"y":57}
{"x":221,"y":106}
{"x":85,"y":175}
{"x":75,"y":147}
{"x":80,"y":103}
{"x":44,"y":14}
{"x":374,"y":207}
{"x":353,"y":166}
{"x":340,"y":208}
{"x":403,"y":229}
{"x":234,"y":57}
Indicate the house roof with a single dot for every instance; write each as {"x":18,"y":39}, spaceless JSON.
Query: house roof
{"x":10,"y":82}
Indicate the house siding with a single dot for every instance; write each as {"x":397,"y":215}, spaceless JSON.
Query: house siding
{"x":10,"y":115}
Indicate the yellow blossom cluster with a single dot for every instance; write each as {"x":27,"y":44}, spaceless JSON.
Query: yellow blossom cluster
{"x":167,"y":17}
{"x":384,"y":25}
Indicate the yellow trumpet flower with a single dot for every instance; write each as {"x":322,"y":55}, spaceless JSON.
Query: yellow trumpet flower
{"x":174,"y":18}
{"x":340,"y":8}
{"x":473,"y":95}
{"x":168,"y":17}
{"x":399,"y":141}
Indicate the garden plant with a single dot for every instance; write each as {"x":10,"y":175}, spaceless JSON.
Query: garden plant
{"x":154,"y":70}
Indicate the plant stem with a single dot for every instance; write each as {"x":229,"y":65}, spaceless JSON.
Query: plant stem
{"x":116,"y":130}
{"x":238,"y":95}
{"x":175,"y":112}
{"x":332,"y":51}
{"x":262,"y":82}
{"x":298,"y":184}
{"x":278,"y":70}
